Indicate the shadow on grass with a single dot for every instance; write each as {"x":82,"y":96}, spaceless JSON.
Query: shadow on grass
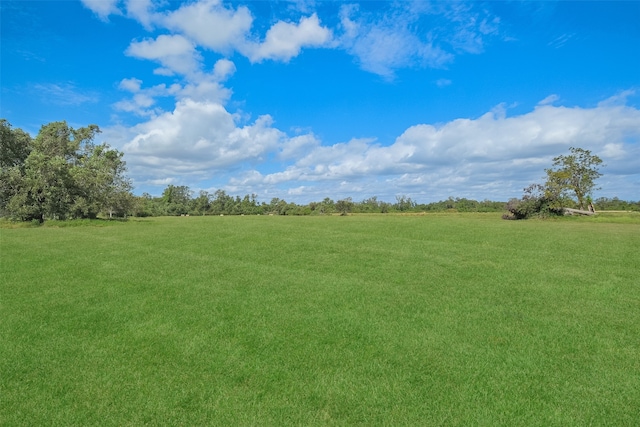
{"x":98,"y":222}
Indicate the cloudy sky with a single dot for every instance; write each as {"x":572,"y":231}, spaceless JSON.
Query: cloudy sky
{"x":304,"y":100}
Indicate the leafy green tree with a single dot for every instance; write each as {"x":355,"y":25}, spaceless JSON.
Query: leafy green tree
{"x":64,"y":175}
{"x":222,"y":203}
{"x":101,"y":183}
{"x":176,"y":199}
{"x":369,"y":205}
{"x":404,"y":203}
{"x":327,"y":206}
{"x":344,"y":206}
{"x":120,"y":204}
{"x":49,"y":187}
{"x":249,"y":205}
{"x":573,"y":174}
{"x":278,"y":206}
{"x":202,"y":203}
{"x":144,"y":206}
{"x":15,"y":145}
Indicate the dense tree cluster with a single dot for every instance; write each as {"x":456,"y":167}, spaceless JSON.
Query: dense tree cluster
{"x":59,"y":174}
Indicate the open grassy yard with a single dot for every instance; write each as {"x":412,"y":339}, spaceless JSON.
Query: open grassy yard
{"x":441,"y":319}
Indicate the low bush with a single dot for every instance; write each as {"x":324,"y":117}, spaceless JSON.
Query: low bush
{"x":535,"y":202}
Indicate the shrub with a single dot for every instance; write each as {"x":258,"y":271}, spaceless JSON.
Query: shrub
{"x":536,"y":202}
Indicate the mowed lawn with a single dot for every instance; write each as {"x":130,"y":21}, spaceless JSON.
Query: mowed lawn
{"x":440,"y":319}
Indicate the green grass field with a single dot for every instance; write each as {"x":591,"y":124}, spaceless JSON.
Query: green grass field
{"x":441,"y":319}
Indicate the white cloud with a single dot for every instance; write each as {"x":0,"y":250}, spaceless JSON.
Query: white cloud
{"x":284,"y":40}
{"x":64,"y":94}
{"x":297,"y":146}
{"x":613,"y":151}
{"x":411,"y":34}
{"x":211,"y":24}
{"x":470,"y":28}
{"x":223,"y":69}
{"x":102,"y":8}
{"x":492,"y":156}
{"x":384,"y":44}
{"x":130,"y":85}
{"x":162,"y":181}
{"x":561,"y":40}
{"x":143,"y":98}
{"x":619,"y":99}
{"x":198,"y":138}
{"x":549,"y":100}
{"x":141,"y":11}
{"x":205,"y":90}
{"x":248,"y":179}
{"x":414,"y":34}
{"x":201,"y":88}
{"x":176,"y":53}
{"x":223,"y":29}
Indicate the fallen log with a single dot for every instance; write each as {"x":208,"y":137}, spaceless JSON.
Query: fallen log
{"x":569,"y":211}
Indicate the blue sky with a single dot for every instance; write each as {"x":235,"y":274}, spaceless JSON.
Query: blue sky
{"x":304,"y":100}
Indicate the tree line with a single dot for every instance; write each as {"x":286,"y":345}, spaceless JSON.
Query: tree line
{"x":63,"y":174}
{"x":180,"y":200}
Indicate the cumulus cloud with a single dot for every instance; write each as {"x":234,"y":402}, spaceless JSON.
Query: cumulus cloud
{"x":198,"y":138}
{"x":143,"y":99}
{"x":175,"y":52}
{"x":402,"y":35}
{"x":142,"y":11}
{"x":130,"y":85}
{"x":299,"y":145}
{"x":284,"y":40}
{"x":206,"y":90}
{"x":223,"y":29}
{"x":491,"y":156}
{"x":212,"y":25}
{"x":200,"y":87}
{"x":223,"y":69}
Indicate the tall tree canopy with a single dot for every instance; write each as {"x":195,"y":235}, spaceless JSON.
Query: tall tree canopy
{"x":63,"y":174}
